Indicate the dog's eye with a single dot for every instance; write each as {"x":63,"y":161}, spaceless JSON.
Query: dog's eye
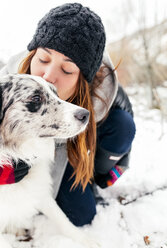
{"x":36,"y":99}
{"x":34,"y":103}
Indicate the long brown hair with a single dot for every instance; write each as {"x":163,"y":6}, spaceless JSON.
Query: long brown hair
{"x":81,"y":149}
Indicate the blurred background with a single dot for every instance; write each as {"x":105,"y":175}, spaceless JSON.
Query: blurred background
{"x":137,"y":42}
{"x":136,"y":37}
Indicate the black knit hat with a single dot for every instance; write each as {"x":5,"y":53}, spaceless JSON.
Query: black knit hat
{"x":75,"y":31}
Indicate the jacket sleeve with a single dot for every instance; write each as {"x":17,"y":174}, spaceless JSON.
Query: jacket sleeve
{"x":122,"y":101}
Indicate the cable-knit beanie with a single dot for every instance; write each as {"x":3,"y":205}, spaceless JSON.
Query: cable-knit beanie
{"x":75,"y":31}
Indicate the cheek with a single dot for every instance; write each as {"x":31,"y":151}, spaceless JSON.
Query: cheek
{"x":67,"y":84}
{"x":35,"y":68}
{"x":66,"y":88}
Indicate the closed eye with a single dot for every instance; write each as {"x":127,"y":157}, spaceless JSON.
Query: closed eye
{"x":66,"y":72}
{"x":43,"y":61}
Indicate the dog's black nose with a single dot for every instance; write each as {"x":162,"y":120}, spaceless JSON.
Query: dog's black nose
{"x":82,"y":115}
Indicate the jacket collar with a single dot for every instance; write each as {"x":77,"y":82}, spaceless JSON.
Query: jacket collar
{"x":107,"y":91}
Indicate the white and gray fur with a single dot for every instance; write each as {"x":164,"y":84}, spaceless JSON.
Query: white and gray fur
{"x":31,"y":116}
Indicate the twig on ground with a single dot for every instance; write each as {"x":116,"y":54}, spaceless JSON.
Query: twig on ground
{"x":124,"y":201}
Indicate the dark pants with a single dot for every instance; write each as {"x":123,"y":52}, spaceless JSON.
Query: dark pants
{"x":80,"y":207}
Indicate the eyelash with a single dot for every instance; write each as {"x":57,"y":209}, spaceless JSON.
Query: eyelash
{"x":66,"y":72}
{"x":45,"y":62}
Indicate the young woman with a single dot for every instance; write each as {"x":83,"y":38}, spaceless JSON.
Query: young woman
{"x":67,"y":50}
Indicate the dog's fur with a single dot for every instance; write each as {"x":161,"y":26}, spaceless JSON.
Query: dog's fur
{"x":31,"y":116}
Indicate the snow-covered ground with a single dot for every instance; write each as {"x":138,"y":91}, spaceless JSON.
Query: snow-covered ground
{"x":137,"y":209}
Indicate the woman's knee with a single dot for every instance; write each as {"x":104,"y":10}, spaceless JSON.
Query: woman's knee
{"x":120,"y":133}
{"x":124,"y":128}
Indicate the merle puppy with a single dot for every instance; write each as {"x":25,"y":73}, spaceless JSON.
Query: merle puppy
{"x":31,"y":116}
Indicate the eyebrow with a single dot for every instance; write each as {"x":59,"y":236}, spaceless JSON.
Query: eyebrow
{"x":46,"y":50}
{"x":68,"y":59}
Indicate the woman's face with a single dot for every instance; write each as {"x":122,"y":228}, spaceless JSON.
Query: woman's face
{"x":57,"y":69}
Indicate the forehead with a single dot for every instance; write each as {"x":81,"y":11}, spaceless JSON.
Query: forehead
{"x":57,"y":56}
{"x":53,"y":53}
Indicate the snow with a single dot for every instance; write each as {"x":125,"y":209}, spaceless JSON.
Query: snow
{"x":137,"y":205}
{"x":161,"y":59}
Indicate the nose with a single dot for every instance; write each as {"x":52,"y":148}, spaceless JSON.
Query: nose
{"x":82,"y":115}
{"x":49,"y":76}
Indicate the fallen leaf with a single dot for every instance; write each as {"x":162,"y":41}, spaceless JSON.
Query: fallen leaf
{"x":146,"y":240}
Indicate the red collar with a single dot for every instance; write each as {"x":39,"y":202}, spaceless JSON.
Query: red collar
{"x":6,"y":172}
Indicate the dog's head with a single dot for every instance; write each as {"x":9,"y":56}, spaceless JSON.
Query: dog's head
{"x":30,"y":107}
